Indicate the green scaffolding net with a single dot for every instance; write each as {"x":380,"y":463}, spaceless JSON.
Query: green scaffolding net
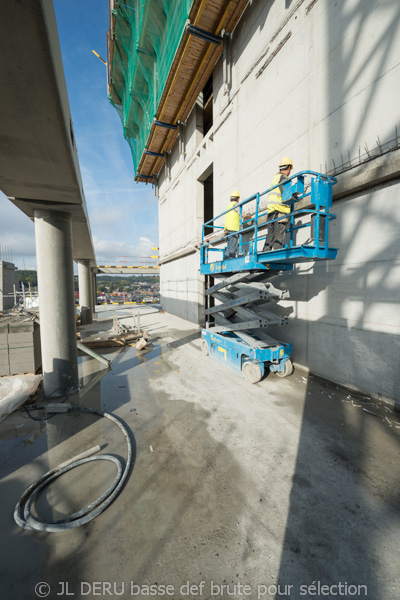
{"x":147,"y":36}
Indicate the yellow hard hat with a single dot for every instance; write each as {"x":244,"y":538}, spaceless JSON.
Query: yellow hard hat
{"x":286,"y":161}
{"x":235,"y":194}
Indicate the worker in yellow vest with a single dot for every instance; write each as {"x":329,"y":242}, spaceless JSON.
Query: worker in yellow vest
{"x":276,"y":208}
{"x":232,"y":225}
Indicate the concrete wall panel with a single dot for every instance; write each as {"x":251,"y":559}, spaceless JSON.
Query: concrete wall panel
{"x":344,"y":316}
{"x":319,"y":83}
{"x":182,"y":289}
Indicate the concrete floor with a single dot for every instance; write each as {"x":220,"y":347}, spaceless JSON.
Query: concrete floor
{"x":288,"y":482}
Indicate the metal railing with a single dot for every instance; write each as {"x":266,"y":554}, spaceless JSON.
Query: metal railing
{"x":295,"y":189}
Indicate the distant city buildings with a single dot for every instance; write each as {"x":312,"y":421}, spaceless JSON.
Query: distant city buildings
{"x":135,"y":291}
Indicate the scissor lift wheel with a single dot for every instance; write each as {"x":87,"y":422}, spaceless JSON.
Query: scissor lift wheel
{"x":204,"y":348}
{"x":251,"y":372}
{"x":288,"y":369}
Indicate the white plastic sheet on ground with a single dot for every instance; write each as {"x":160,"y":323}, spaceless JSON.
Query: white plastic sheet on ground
{"x":14,"y":391}
{"x":32,"y":302}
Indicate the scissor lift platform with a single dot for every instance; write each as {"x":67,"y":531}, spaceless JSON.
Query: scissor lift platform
{"x":235,"y":330}
{"x":278,"y":260}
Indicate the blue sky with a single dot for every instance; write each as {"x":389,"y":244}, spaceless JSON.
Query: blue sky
{"x":123,"y":214}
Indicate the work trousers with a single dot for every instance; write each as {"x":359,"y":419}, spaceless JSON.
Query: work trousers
{"x":248,"y":236}
{"x":321,"y":229}
{"x":276,"y":231}
{"x":232,"y":245}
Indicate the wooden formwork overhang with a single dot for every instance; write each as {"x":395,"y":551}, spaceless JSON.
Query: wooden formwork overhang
{"x":193,"y":64}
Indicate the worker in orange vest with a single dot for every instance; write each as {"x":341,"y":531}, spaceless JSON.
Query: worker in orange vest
{"x":277,"y":209}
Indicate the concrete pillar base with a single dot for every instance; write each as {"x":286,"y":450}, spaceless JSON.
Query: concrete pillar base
{"x":86,"y":315}
{"x":85,"y":291}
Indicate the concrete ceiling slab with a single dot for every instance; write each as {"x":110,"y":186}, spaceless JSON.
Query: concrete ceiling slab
{"x":39,"y":165}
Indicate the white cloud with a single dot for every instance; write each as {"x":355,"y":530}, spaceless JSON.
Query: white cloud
{"x":145,"y":241}
{"x":110,"y":250}
{"x":17,"y":234}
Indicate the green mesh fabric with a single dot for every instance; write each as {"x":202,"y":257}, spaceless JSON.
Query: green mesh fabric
{"x":147,"y":35}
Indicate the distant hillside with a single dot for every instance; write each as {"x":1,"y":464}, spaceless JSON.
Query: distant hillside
{"x":127,"y":279}
{"x":28,"y":277}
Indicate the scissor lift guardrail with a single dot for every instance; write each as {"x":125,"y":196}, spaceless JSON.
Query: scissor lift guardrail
{"x":235,"y":325}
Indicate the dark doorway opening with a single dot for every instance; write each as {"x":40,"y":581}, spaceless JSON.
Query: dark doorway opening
{"x":208,"y":201}
{"x":208,"y":105}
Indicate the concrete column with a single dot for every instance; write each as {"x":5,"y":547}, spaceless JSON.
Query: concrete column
{"x":85,"y":291}
{"x":56,"y":302}
{"x":94,"y":288}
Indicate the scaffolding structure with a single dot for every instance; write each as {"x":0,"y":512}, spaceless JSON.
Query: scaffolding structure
{"x":147,"y":35}
{"x":160,"y":55}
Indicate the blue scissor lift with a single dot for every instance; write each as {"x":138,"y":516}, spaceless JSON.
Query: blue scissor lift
{"x":235,"y":325}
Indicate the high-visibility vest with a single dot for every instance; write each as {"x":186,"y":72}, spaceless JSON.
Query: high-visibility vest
{"x":232,"y":218}
{"x":275,"y":197}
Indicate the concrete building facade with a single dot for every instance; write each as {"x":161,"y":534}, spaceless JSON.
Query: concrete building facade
{"x":317,"y":81}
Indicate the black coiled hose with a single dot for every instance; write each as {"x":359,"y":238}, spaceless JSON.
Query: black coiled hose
{"x":22,"y":512}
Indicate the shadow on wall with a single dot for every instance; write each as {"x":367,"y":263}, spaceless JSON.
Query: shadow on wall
{"x":349,"y":334}
{"x":363,"y":55}
{"x":185,"y":309}
{"x":344,"y":507}
{"x":366,"y":285}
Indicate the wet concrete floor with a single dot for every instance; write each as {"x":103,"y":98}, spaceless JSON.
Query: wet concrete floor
{"x":267,"y":491}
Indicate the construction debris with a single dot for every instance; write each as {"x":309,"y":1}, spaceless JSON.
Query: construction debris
{"x":14,"y":391}
{"x":115,"y":340}
{"x":92,"y":353}
{"x":141,"y":344}
{"x":370,"y":412}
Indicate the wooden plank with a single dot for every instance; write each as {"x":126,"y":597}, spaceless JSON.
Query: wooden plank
{"x":103,"y":344}
{"x":194,"y":58}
